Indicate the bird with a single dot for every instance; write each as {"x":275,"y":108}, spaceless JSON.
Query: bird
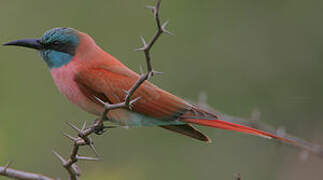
{"x":86,"y":75}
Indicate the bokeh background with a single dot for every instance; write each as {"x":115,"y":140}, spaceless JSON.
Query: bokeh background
{"x":244,"y":54}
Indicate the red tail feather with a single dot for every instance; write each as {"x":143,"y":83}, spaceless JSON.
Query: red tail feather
{"x":234,"y":127}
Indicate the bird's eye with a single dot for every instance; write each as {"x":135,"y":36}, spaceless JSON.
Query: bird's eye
{"x":55,"y":43}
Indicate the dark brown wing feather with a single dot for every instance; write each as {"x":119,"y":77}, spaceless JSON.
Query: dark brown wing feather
{"x":188,"y":130}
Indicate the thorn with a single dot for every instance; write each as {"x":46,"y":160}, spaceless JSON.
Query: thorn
{"x":74,"y":127}
{"x":90,"y":140}
{"x":163,"y":28}
{"x":143,"y":41}
{"x":95,"y":122}
{"x":156,"y":72}
{"x":144,"y":45}
{"x":63,"y":161}
{"x":153,"y":8}
{"x":143,"y":76}
{"x":125,"y":91}
{"x":141,"y":70}
{"x":7,"y":166}
{"x":69,"y":137}
{"x":167,"y":32}
{"x":92,"y":147}
{"x":130,"y":106}
{"x":140,"y":49}
{"x":86,"y":158}
{"x":164,"y":25}
{"x":76,"y":169}
{"x":102,"y":102}
{"x":84,"y":126}
{"x":135,"y":100}
{"x":106,"y":105}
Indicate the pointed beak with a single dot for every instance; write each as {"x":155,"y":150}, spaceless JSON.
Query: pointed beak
{"x":29,"y":43}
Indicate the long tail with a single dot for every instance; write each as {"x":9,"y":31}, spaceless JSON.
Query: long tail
{"x":269,"y":133}
{"x":254,"y":122}
{"x":217,"y":123}
{"x":211,"y":118}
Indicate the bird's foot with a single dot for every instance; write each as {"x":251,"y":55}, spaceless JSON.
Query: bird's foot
{"x":100,"y":128}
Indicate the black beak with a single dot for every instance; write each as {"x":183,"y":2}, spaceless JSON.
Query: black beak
{"x":29,"y":43}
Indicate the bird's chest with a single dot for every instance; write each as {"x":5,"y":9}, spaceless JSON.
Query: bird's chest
{"x":64,"y":80}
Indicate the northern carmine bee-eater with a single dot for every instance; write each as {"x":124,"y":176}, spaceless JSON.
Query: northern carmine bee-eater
{"x":83,"y":72}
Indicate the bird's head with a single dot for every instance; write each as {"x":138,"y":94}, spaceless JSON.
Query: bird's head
{"x":57,"y":46}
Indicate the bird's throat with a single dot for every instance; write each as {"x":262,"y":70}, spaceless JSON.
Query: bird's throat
{"x":55,"y":59}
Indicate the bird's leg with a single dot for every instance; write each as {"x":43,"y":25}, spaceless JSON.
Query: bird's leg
{"x":99,"y":130}
{"x":98,"y":126}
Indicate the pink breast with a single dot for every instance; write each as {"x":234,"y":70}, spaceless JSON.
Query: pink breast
{"x":64,"y":80}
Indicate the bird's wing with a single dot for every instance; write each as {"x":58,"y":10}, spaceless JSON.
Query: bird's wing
{"x":109,"y":83}
{"x":155,"y":107}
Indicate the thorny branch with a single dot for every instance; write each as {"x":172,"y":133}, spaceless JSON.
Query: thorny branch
{"x":83,"y":138}
{"x":161,"y":28}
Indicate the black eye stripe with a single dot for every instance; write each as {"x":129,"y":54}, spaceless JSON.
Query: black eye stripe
{"x":66,"y":47}
{"x":55,"y":43}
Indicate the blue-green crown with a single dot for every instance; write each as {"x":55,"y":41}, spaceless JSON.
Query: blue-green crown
{"x":62,"y":35}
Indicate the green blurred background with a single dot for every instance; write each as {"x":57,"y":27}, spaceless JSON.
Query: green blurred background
{"x":244,"y":54}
